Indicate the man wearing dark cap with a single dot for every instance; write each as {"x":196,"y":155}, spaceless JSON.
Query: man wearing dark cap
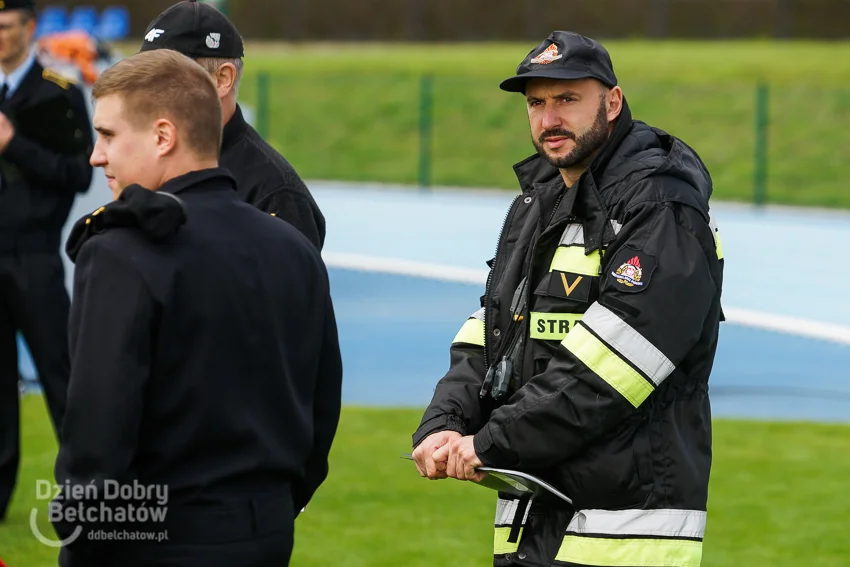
{"x":264,"y":178}
{"x":587,"y":364}
{"x":45,"y":142}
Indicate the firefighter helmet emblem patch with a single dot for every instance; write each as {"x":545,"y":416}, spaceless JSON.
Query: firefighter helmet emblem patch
{"x":634,"y":268}
{"x":629,"y":273}
{"x":547,"y":56}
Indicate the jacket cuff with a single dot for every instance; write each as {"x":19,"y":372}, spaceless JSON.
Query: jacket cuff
{"x":487,"y":452}
{"x":445,"y":422}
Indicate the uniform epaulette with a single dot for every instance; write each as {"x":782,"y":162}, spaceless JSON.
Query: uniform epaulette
{"x":54,"y":77}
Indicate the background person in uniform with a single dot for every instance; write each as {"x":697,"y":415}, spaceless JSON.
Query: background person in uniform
{"x":588,"y":362}
{"x":45,"y":141}
{"x":204,"y":350}
{"x":264,"y":177}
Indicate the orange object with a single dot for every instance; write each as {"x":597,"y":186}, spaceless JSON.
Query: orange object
{"x":76,"y":47}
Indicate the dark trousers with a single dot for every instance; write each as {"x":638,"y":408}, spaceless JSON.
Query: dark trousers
{"x":248,"y":531}
{"x":34,"y":301}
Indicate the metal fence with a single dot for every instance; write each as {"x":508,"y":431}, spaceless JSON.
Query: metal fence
{"x":761,"y":143}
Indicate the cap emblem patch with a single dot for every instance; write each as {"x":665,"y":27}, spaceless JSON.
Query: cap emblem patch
{"x":549,"y":55}
{"x":214,"y":40}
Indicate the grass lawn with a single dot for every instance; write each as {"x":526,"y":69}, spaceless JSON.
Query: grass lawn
{"x":778,"y":498}
{"x":352,"y":111}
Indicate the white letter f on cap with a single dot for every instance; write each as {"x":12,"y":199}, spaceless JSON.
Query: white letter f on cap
{"x":153,"y":34}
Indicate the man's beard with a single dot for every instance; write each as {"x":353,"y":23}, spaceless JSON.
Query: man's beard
{"x":586,"y":145}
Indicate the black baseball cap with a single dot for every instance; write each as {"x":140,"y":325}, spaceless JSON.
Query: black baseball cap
{"x":194,"y":29}
{"x":17,"y":5}
{"x":563,"y":55}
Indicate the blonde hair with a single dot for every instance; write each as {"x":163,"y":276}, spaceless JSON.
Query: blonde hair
{"x":166,"y":84}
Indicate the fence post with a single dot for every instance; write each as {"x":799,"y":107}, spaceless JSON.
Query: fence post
{"x":263,"y":104}
{"x":761,"y":125}
{"x":426,"y":123}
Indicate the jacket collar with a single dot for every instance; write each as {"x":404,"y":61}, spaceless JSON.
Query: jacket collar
{"x":235,"y":128}
{"x":195,"y":180}
{"x":28,"y":85}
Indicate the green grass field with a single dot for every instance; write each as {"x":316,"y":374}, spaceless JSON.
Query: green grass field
{"x":352,"y":111}
{"x":777,"y":499}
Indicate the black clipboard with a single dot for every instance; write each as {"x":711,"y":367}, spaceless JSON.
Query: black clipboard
{"x":517,"y":483}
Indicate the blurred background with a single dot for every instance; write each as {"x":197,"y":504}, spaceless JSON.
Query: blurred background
{"x":390,"y":110}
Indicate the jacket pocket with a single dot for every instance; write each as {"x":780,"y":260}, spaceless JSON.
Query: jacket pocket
{"x":614,"y":472}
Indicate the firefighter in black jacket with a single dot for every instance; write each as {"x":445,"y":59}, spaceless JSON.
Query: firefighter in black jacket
{"x":45,"y":142}
{"x":588,"y":362}
{"x":264,"y":177}
{"x":204,"y":351}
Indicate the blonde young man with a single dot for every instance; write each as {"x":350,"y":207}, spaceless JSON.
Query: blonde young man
{"x":205,"y":366}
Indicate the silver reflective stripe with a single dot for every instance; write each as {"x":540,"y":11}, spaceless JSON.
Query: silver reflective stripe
{"x":478,"y":315}
{"x":616,"y":226}
{"x":573,"y":235}
{"x":506,"y":510}
{"x":629,"y":343}
{"x":659,"y":523}
{"x":712,"y":222}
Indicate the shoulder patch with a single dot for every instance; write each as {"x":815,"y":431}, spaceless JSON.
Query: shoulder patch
{"x":631,"y":269}
{"x":54,"y":77}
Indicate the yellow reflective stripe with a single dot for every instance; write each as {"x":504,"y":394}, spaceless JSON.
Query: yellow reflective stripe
{"x":471,"y":333}
{"x":572,"y":259}
{"x":719,"y":245}
{"x":630,"y":552}
{"x":501,"y":544}
{"x":552,"y":326}
{"x":608,"y":365}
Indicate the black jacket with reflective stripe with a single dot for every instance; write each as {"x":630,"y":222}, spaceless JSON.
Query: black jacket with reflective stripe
{"x":611,"y":407}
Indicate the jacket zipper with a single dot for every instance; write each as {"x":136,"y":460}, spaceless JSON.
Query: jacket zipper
{"x":488,"y":324}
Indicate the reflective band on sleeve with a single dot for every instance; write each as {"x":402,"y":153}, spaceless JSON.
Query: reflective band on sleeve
{"x":552,"y":326}
{"x":628,"y":342}
{"x":572,"y":259}
{"x":472,"y":333}
{"x":573,"y":235}
{"x":716,"y":231}
{"x":616,"y":226}
{"x":646,"y":523}
{"x":630,"y":552}
{"x":501,"y":545}
{"x":608,"y":365}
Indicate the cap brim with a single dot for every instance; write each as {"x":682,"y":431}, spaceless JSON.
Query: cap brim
{"x":517,"y":84}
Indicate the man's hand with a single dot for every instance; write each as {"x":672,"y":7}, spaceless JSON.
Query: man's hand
{"x":462,"y":460}
{"x":424,"y":454}
{"x":7,"y":132}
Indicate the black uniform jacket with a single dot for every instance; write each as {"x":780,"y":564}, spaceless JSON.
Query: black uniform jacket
{"x":204,"y":352}
{"x":45,"y":164}
{"x":268,"y":181}
{"x":613,"y":336}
